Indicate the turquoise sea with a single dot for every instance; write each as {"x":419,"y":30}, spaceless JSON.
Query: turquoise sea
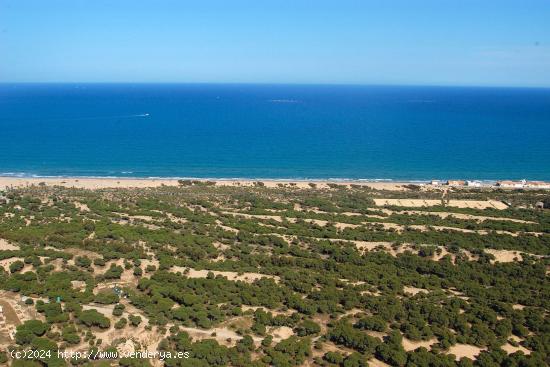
{"x":274,"y":131}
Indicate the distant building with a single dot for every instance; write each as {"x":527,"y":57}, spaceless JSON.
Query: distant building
{"x":538,"y":185}
{"x":435,"y":183}
{"x":456,"y":183}
{"x":512,"y":184}
{"x":473,"y":183}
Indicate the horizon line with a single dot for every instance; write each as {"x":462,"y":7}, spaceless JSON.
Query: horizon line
{"x":272,"y":84}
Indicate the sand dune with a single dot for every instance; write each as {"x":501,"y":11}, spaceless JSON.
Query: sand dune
{"x":107,"y":182}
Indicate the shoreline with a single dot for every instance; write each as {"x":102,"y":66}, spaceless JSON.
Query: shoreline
{"x":93,"y":183}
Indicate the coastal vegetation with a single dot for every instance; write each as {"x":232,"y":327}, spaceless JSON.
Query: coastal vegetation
{"x":282,"y":276}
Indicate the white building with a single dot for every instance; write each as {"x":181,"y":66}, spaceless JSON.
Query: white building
{"x":474,"y":183}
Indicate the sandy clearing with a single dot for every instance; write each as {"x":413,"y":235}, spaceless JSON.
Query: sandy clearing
{"x":146,"y":338}
{"x":9,"y":314}
{"x":407,"y":202}
{"x":465,"y":350}
{"x":478,"y":204}
{"x":506,"y":256}
{"x":443,"y":215}
{"x":79,"y":285}
{"x":376,"y":334}
{"x":223,"y":335}
{"x":226,"y":336}
{"x":106,"y":310}
{"x":129,"y":335}
{"x":424,"y":228}
{"x":509,"y":348}
{"x":457,"y":294}
{"x":288,"y":312}
{"x":14,"y":311}
{"x":7,"y":246}
{"x":220,"y":246}
{"x":280,"y":332}
{"x":277,"y":218}
{"x":364,"y":246}
{"x":280,"y":219}
{"x":352,"y":312}
{"x":410,"y":345}
{"x":377,"y":363}
{"x":82,"y":207}
{"x":175,"y":218}
{"x":230,"y":275}
{"x":474,"y":204}
{"x":414,"y":290}
{"x":5,"y":263}
{"x":220,"y":224}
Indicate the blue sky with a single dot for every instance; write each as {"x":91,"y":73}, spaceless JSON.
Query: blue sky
{"x":424,"y":42}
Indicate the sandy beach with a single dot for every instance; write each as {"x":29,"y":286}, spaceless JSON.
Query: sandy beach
{"x":103,"y":183}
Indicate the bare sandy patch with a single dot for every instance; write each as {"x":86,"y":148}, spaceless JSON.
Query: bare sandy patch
{"x":13,"y":312}
{"x":465,"y":350}
{"x":220,"y":224}
{"x":509,"y":348}
{"x":473,"y":204}
{"x":413,"y":290}
{"x":280,"y":332}
{"x":175,"y":218}
{"x":7,"y":246}
{"x":5,"y":263}
{"x":230,"y":275}
{"x":389,"y":247}
{"x":410,"y":345}
{"x":82,"y":207}
{"x":406,"y":202}
{"x":478,"y":218}
{"x":106,"y":310}
{"x":280,"y":219}
{"x":370,"y":246}
{"x":376,"y":334}
{"x":373,"y":362}
{"x":504,"y":256}
{"x":277,"y":218}
{"x":220,"y":246}
{"x":79,"y":285}
{"x":245,"y":308}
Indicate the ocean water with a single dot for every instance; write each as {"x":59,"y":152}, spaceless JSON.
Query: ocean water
{"x":274,"y":131}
